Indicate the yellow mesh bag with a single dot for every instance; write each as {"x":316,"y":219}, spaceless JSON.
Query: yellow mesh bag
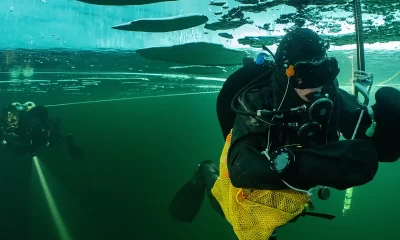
{"x":254,"y":214}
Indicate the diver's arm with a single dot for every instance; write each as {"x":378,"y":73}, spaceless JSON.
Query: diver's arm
{"x":56,"y":138}
{"x":247,"y":166}
{"x":339,"y":165}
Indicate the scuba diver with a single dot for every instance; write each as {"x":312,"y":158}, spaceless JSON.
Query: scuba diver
{"x":283,"y":141}
{"x":26,"y":128}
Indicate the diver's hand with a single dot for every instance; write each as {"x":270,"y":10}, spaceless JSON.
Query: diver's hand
{"x":386,"y":112}
{"x":3,"y":142}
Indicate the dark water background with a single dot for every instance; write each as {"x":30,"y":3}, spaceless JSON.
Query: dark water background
{"x":140,"y":150}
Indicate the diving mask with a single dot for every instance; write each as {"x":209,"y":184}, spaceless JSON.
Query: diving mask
{"x":313,"y":74}
{"x":24,"y":107}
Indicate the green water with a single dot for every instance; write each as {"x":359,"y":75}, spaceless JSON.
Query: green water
{"x":138,"y":154}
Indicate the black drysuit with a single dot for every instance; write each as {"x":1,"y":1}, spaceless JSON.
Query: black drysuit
{"x":323,"y":160}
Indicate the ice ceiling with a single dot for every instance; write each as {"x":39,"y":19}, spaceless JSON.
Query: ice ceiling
{"x":95,"y":24}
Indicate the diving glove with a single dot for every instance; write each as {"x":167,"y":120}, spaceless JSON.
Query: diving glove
{"x":385,"y":129}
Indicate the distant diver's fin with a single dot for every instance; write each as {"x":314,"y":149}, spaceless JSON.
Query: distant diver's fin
{"x":73,"y":150}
